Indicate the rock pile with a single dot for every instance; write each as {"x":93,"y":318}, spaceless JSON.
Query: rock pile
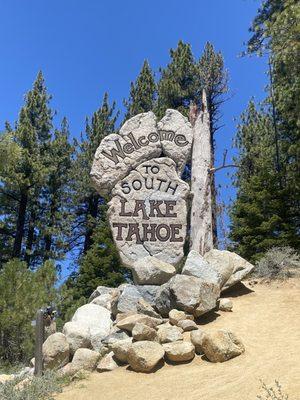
{"x":144,"y":325}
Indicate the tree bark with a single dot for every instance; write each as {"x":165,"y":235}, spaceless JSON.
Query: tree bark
{"x":20,"y":225}
{"x":201,"y":212}
{"x":91,"y":212}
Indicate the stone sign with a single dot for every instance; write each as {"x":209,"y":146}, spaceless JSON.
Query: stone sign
{"x":140,"y":167}
{"x":148,"y":211}
{"x":141,"y":138}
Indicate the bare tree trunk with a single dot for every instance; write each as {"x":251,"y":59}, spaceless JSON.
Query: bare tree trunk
{"x":201,"y":213}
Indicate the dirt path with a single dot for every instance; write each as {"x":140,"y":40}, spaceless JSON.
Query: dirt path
{"x":268,"y":322}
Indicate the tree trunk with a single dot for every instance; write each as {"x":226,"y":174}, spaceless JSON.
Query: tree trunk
{"x":20,"y":225}
{"x":91,"y":212}
{"x":201,"y":212}
{"x":30,"y":238}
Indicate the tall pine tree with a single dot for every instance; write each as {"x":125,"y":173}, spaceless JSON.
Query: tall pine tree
{"x":23,"y":180}
{"x":142,"y":93}
{"x":278,"y":202}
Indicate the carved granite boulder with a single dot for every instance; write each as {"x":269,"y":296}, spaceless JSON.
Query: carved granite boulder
{"x":148,"y":211}
{"x":138,"y":140}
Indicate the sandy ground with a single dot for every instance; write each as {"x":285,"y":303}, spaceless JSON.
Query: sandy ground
{"x":266,"y":318}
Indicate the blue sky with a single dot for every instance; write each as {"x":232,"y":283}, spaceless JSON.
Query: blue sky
{"x":85,"y":48}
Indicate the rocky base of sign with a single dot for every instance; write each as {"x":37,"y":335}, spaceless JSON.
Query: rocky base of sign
{"x":146,"y":324}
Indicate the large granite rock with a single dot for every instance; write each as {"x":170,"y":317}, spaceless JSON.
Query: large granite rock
{"x":56,"y":351}
{"x":231,"y":266}
{"x":96,"y":319}
{"x":174,"y":123}
{"x":120,"y":349}
{"x":221,"y":345}
{"x":196,"y":265}
{"x":187,"y":293}
{"x":119,"y":153}
{"x":197,"y":337}
{"x":143,"y":307}
{"x":102,"y":290}
{"x":221,"y":263}
{"x":138,"y":140}
{"x":148,"y":292}
{"x":85,"y":359}
{"x":141,"y":331}
{"x":129,"y":322}
{"x":107,"y":363}
{"x":127,"y":301}
{"x":152,"y":271}
{"x":78,"y":336}
{"x":167,"y":333}
{"x":144,"y":356}
{"x":179,"y":351}
{"x":175,"y":316}
{"x":241,"y":268}
{"x":147,"y":213}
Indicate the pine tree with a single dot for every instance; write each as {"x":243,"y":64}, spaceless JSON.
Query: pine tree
{"x":275,"y":32}
{"x":259,"y":219}
{"x":101,"y":265}
{"x":142,"y":93}
{"x":22,"y":293}
{"x":22,"y":181}
{"x":179,"y":82}
{"x":55,"y":223}
{"x":86,"y":200}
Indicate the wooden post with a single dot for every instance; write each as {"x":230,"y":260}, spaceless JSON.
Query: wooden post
{"x":39,"y":340}
{"x":201,"y":212}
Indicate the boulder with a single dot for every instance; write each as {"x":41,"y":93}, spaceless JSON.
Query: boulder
{"x":115,"y":337}
{"x":143,"y":307}
{"x":187,"y":325}
{"x":68,"y":370}
{"x":78,"y":336}
{"x":187,"y":293}
{"x":179,"y":351}
{"x":107,"y":170}
{"x":221,"y":345}
{"x":241,"y":268}
{"x":148,"y":293}
{"x":107,"y":363}
{"x":196,"y":265}
{"x":197,"y":337}
{"x":152,"y":192}
{"x":127,"y":300}
{"x":120,"y":349}
{"x":56,"y":351}
{"x":152,"y":271}
{"x":102,"y":290}
{"x":167,"y":334}
{"x":175,"y":316}
{"x":221,"y":262}
{"x":129,"y":322}
{"x":105,"y":300}
{"x":174,"y":122}
{"x":85,"y":359}
{"x":225,"y":304}
{"x":144,"y":332}
{"x":144,"y":356}
{"x":96,"y":319}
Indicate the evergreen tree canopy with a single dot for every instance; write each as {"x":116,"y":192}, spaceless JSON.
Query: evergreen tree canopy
{"x":142,"y":93}
{"x":179,"y":83}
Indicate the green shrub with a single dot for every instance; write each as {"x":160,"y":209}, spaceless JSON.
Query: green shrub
{"x":278,"y":262}
{"x":272,"y":393}
{"x":22,"y":292}
{"x":40,"y":388}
